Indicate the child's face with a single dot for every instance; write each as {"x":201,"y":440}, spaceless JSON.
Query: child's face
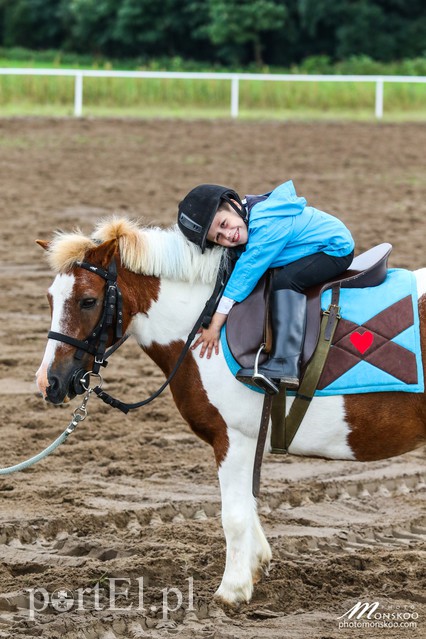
{"x":228,"y":228}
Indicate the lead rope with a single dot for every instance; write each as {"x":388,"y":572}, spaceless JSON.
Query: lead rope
{"x":79,"y":415}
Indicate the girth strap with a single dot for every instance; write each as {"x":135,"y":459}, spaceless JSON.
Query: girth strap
{"x":279,"y":424}
{"x":285,"y":427}
{"x":288,"y":425}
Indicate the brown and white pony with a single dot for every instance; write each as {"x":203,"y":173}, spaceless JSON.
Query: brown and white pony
{"x":165,"y":282}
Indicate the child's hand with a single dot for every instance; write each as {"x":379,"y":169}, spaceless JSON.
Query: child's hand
{"x":209,"y":337}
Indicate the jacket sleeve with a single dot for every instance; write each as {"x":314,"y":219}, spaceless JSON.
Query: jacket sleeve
{"x":265,"y":244}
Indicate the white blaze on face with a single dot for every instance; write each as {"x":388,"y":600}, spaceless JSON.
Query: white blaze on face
{"x":60,"y":291}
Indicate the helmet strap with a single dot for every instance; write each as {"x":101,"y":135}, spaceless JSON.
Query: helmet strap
{"x":241,"y":209}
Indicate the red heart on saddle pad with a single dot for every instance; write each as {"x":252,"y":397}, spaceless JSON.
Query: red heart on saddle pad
{"x":362,"y":341}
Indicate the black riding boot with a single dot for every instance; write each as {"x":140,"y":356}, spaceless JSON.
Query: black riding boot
{"x":288,"y":311}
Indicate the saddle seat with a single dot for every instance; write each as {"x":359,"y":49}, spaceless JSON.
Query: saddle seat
{"x":247,"y":326}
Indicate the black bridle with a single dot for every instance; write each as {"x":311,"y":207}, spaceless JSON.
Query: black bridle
{"x":112,"y":317}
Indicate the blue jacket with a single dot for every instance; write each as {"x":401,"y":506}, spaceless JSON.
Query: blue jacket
{"x":283,"y":229}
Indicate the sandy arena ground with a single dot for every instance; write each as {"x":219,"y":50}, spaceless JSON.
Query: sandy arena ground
{"x":132,"y":497}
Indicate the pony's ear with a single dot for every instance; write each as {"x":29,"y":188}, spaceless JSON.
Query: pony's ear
{"x":103,"y":253}
{"x":44,"y":244}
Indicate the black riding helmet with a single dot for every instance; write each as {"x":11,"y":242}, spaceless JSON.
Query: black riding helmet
{"x":198,"y":208}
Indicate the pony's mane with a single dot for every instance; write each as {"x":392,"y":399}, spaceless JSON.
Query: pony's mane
{"x":164,"y":253}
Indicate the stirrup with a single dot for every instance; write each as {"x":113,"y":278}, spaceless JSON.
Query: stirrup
{"x":260,"y":380}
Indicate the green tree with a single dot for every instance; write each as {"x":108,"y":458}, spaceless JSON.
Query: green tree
{"x":34,"y":24}
{"x":170,"y":27}
{"x":91,"y":26}
{"x":280,"y":32}
{"x":381,"y":29}
{"x":237,"y":22}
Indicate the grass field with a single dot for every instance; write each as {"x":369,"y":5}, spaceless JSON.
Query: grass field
{"x":35,"y":95}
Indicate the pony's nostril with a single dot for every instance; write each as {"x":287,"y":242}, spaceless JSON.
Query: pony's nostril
{"x":53,"y":391}
{"x":53,"y":383}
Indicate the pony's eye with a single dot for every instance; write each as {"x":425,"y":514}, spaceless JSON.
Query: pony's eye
{"x":88,"y":303}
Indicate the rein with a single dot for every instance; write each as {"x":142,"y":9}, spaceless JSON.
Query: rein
{"x":95,"y":343}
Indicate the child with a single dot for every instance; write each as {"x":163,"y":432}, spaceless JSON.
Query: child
{"x":304,"y":245}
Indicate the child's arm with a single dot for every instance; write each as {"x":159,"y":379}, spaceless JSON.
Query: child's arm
{"x":210,"y":337}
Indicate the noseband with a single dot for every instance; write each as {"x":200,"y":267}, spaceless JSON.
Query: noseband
{"x":95,"y":343}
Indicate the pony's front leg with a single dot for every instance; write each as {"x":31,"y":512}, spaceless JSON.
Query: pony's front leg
{"x":247,"y":549}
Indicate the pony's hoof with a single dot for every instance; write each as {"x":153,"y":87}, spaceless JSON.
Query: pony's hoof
{"x":234,"y":595}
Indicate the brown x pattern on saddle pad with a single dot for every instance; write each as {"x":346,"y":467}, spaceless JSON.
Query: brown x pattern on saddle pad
{"x":372,"y":342}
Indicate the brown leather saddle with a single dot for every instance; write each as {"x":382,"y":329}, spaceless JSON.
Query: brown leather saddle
{"x":248,"y":324}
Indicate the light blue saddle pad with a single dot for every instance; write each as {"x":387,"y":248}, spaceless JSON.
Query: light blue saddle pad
{"x":369,"y":350}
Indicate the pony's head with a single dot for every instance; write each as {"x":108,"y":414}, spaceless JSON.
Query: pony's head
{"x":79,"y":295}
{"x":77,"y":302}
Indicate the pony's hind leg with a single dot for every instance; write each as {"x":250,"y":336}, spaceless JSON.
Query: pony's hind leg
{"x":247,"y":550}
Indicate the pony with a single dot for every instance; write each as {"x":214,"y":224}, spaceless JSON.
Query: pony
{"x":165,"y":282}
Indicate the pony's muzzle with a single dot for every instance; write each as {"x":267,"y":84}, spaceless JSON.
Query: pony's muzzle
{"x":59,"y":391}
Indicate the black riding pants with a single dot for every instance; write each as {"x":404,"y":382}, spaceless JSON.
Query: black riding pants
{"x":309,"y":271}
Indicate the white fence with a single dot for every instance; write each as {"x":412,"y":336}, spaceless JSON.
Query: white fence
{"x":233,"y":78}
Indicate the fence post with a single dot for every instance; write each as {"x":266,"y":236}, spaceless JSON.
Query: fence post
{"x":379,"y":98}
{"x":235,"y":89}
{"x":78,"y":95}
